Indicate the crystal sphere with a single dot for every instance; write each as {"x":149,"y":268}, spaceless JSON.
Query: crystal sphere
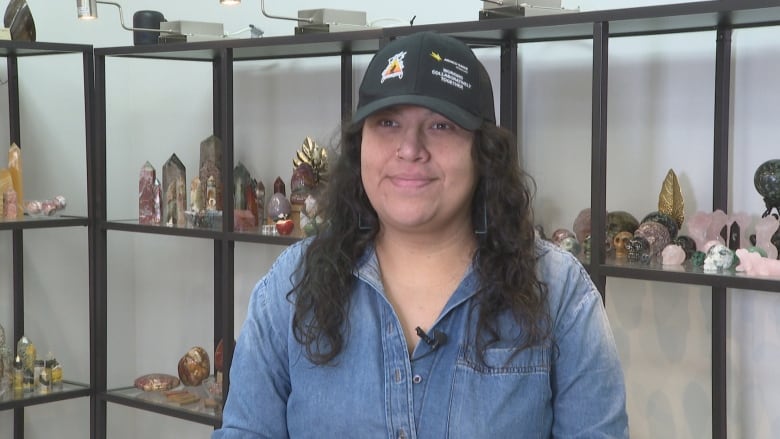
{"x":279,"y":206}
{"x":767,"y":183}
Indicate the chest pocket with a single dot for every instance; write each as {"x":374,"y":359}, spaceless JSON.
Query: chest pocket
{"x":506,"y":397}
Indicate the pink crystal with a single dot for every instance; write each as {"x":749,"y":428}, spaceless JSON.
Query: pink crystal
{"x":718,"y":220}
{"x":765,"y":228}
{"x":697,"y":228}
{"x":672,"y":254}
{"x":753,"y":264}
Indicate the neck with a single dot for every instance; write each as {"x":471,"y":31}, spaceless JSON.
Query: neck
{"x":425,"y":252}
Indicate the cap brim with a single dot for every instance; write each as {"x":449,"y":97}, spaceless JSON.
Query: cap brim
{"x":451,"y":111}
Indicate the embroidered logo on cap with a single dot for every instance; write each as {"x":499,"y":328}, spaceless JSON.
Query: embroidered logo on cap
{"x":395,"y":67}
{"x":436,"y":56}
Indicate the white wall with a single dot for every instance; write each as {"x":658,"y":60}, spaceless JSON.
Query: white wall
{"x":660,"y":113}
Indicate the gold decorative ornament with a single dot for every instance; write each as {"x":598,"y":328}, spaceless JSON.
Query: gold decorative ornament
{"x":315,"y":156}
{"x":670,"y":200}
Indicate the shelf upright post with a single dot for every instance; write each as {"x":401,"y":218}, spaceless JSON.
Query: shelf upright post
{"x":509,"y":89}
{"x":720,"y":201}
{"x":99,"y":249}
{"x":346,"y":87}
{"x":14,"y":128}
{"x":224,"y":267}
{"x":598,"y":171}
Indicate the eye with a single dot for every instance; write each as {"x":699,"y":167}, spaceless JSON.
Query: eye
{"x":382,"y":119}
{"x":442,"y":125}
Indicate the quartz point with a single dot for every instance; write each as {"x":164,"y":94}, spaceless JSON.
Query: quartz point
{"x":174,"y":186}
{"x":279,"y":187}
{"x":148,"y":195}
{"x":241,"y":181}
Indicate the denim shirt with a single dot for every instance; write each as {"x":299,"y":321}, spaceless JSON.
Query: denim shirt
{"x":572,"y":387}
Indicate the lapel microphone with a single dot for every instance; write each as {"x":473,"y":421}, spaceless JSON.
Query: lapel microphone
{"x":438,"y":339}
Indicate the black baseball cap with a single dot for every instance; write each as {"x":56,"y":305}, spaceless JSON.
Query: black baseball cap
{"x":431,"y":70}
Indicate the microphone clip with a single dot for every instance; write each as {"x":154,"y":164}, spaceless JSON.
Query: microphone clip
{"x":438,"y":339}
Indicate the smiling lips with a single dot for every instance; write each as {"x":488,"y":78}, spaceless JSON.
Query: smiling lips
{"x":406,"y":181}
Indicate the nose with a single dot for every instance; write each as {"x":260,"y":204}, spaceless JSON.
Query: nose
{"x":411,"y":146}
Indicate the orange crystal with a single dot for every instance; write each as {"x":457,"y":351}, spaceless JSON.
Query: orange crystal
{"x":15,"y":168}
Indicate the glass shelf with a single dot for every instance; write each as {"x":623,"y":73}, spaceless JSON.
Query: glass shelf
{"x":37,"y":222}
{"x":157,"y":401}
{"x":69,"y":390}
{"x":687,"y":274}
{"x":253,"y":235}
{"x":132,"y":225}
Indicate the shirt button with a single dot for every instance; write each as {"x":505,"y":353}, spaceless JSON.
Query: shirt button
{"x":401,"y":434}
{"x":417,"y":379}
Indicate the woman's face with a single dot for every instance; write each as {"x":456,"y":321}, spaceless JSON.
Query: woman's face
{"x":417,"y":169}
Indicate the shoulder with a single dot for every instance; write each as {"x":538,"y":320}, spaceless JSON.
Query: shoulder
{"x":281,"y":277}
{"x":569,"y":286}
{"x":550,"y":258}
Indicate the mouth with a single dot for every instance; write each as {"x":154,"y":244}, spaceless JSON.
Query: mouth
{"x":411,"y":182}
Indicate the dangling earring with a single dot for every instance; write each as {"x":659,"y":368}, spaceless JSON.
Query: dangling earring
{"x":480,"y":219}
{"x":363,"y":226}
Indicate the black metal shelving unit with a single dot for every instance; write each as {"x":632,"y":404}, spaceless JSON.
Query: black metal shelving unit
{"x":13,"y":51}
{"x":222,"y":55}
{"x":718,"y":17}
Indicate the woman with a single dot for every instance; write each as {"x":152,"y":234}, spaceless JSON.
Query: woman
{"x":428,"y":308}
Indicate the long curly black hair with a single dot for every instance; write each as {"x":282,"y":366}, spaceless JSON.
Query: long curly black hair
{"x":504,"y":260}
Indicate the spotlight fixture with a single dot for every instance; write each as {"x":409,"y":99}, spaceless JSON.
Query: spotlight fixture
{"x":319,"y":20}
{"x":87,"y":10}
{"x":167,"y":31}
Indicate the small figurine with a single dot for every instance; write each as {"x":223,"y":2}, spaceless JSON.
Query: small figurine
{"x":719,"y":258}
{"x":753,"y":264}
{"x":196,"y":196}
{"x":620,"y":241}
{"x":211,"y":193}
{"x":638,"y":250}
